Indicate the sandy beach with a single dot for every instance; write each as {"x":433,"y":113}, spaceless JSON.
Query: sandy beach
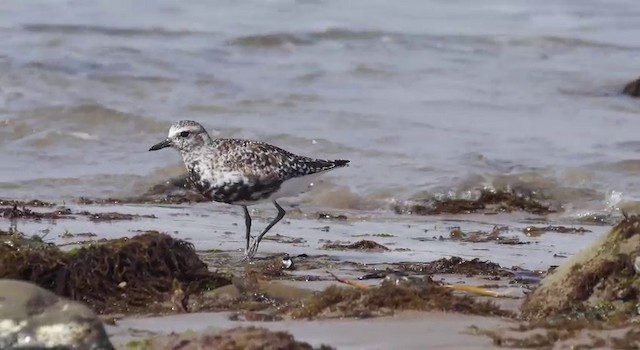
{"x":490,"y":144}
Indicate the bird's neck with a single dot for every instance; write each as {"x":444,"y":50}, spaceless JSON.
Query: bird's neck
{"x":194,"y":155}
{"x":191,"y":156}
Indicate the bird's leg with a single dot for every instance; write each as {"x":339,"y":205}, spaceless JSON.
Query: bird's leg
{"x":254,"y":247}
{"x":247,"y":225}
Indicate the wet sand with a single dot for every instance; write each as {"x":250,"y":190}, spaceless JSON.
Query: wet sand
{"x":216,"y":232}
{"x":409,"y":238}
{"x":410,"y":330}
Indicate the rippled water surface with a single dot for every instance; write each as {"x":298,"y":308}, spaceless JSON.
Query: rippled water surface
{"x":427,"y":96}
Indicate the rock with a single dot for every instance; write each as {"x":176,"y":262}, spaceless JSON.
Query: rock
{"x":632,"y":88}
{"x":33,"y":317}
{"x":598,"y":283}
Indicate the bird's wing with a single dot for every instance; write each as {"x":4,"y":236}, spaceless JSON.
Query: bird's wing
{"x":266,"y":163}
{"x":261,"y":162}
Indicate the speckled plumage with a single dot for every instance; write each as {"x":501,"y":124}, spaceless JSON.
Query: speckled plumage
{"x":242,"y":172}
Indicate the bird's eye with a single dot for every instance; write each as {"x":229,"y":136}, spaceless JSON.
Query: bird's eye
{"x":184,"y":133}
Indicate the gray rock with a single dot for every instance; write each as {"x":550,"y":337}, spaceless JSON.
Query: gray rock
{"x":632,"y":88}
{"x":35,"y":318}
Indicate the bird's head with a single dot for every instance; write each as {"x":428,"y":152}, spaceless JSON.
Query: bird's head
{"x":185,"y":135}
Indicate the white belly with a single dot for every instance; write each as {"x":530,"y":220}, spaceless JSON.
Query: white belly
{"x":290,"y":188}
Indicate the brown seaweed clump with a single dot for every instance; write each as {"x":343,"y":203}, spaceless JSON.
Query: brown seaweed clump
{"x":367,"y":245}
{"x":457,"y":265}
{"x":495,"y":235}
{"x":31,"y":203}
{"x":535,"y":231}
{"x":148,"y":271}
{"x":390,"y":296}
{"x":239,"y":338}
{"x":487,"y":202}
{"x":600,"y":283}
{"x":14,"y":212}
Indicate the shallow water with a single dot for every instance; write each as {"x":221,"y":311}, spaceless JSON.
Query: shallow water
{"x":409,"y":239}
{"x":427,"y":97}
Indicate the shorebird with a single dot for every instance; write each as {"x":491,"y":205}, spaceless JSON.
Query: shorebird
{"x":243,"y":172}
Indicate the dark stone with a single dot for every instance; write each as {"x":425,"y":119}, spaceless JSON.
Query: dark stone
{"x":632,"y":88}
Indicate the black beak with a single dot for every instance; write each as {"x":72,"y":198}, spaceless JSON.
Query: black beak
{"x":161,"y":145}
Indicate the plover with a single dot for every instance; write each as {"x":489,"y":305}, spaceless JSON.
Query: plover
{"x":243,"y":172}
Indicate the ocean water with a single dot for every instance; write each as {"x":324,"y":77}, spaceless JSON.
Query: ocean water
{"x":428,"y":97}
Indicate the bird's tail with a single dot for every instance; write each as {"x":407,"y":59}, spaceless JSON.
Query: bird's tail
{"x":320,"y":165}
{"x":341,"y":162}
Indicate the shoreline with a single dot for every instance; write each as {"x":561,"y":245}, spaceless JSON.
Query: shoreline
{"x":409,"y":242}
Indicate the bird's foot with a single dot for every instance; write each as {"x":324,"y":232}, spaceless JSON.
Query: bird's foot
{"x":250,"y":253}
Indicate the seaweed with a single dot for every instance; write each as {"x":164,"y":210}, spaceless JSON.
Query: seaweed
{"x":239,"y":338}
{"x":457,"y":265}
{"x":144,"y":273}
{"x":390,"y":296}
{"x":359,"y":245}
{"x":487,"y":202}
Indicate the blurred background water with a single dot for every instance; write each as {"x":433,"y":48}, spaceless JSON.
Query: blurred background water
{"x":428,"y":97}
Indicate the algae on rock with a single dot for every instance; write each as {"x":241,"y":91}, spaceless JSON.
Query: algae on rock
{"x":599,"y":283}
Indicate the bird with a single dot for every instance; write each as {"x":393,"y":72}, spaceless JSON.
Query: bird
{"x":243,"y":172}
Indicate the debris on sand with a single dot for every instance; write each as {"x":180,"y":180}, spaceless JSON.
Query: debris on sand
{"x":176,"y":190}
{"x":535,"y":231}
{"x":457,"y":265}
{"x":488,"y":202}
{"x":496,"y":235}
{"x":250,"y":291}
{"x":150,"y":272}
{"x":239,"y":338}
{"x":600,"y":283}
{"x":390,"y":296}
{"x":13,"y":212}
{"x":366,"y":245}
{"x":252,"y":316}
{"x":113,"y":216}
{"x":10,"y":209}
{"x":31,"y":203}
{"x":278,"y":238}
{"x":146,"y":199}
{"x":329,"y":216}
{"x":18,"y":241}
